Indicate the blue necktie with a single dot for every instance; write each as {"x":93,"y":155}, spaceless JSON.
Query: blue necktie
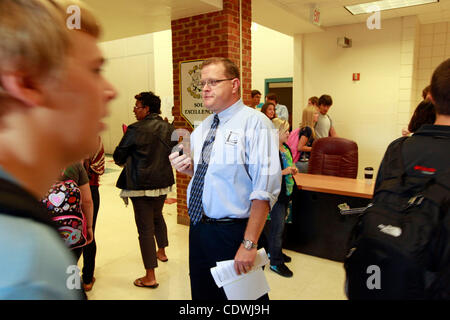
{"x":195,"y":200}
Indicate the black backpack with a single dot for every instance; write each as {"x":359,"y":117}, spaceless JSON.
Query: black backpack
{"x":399,"y":249}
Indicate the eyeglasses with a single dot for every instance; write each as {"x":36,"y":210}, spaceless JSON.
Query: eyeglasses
{"x":212,"y":82}
{"x":137,"y":107}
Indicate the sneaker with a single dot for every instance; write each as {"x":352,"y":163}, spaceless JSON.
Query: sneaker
{"x":286,"y":258}
{"x":282,"y":270}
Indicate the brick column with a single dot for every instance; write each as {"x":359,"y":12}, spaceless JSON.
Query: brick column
{"x":215,"y":34}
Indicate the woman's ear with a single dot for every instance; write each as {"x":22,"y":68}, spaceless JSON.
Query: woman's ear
{"x":21,"y":87}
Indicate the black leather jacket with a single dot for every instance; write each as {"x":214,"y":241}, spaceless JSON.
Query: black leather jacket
{"x":144,"y":150}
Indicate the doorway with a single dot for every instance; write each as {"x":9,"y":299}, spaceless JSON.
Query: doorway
{"x":282,"y":87}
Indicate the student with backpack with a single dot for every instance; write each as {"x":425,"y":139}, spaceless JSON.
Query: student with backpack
{"x":70,"y":205}
{"x":95,"y":167}
{"x":400,"y":249}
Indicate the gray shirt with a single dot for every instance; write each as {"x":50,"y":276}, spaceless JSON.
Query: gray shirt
{"x":323,"y":126}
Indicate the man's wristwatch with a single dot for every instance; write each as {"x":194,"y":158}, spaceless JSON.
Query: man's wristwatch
{"x":248,"y":244}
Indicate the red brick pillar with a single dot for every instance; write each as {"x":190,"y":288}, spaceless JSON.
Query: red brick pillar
{"x":216,"y":34}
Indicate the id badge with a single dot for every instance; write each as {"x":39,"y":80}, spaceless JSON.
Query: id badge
{"x":232,"y":138}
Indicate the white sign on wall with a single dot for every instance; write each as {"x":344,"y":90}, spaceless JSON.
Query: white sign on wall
{"x":192,"y":108}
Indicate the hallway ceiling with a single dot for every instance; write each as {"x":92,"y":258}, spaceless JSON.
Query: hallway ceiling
{"x":125,"y":18}
{"x":333,"y":12}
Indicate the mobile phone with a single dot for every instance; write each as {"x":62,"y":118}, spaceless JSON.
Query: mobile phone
{"x":178,"y":149}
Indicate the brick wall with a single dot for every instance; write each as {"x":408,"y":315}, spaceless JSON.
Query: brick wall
{"x":208,"y":35}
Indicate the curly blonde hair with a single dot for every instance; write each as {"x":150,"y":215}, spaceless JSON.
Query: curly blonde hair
{"x":280,"y":124}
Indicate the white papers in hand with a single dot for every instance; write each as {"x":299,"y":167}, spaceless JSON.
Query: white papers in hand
{"x":248,"y":286}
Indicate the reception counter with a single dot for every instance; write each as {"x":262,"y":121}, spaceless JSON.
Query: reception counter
{"x":318,"y":228}
{"x":334,"y":185}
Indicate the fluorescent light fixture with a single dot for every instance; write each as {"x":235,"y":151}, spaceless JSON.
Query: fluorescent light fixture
{"x":370,"y":7}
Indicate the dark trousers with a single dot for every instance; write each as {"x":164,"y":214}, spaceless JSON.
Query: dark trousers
{"x":273,"y":231}
{"x":89,"y":252}
{"x":208,"y":244}
{"x":150,"y":225}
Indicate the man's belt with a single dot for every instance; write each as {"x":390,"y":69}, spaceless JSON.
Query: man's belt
{"x":208,"y":220}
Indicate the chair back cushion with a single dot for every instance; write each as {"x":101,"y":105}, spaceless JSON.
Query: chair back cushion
{"x":334,"y":156}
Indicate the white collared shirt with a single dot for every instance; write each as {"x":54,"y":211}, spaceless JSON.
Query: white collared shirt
{"x":244,"y":163}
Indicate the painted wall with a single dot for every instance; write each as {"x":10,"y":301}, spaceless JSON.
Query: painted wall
{"x":134,"y":66}
{"x":164,"y":71}
{"x":272,"y":56}
{"x":366,"y":111}
{"x":433,"y":48}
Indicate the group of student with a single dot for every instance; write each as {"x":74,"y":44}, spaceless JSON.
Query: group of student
{"x":294,"y":157}
{"x":316,"y":123}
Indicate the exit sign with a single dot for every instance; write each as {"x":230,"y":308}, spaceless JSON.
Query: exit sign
{"x":315,"y":16}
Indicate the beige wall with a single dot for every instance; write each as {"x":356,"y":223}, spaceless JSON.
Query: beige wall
{"x":433,"y":48}
{"x":371,"y":111}
{"x":164,"y":71}
{"x":272,"y":56}
{"x":134,"y":66}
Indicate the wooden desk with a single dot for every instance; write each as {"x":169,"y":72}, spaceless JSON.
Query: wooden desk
{"x":318,"y":228}
{"x":334,"y":185}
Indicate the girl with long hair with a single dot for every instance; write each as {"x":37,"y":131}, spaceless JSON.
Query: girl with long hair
{"x":307,"y":136}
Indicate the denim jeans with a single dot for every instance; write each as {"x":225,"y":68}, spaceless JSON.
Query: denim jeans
{"x":273,"y":231}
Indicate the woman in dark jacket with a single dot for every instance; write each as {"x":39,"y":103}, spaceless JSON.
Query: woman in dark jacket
{"x":147,"y":178}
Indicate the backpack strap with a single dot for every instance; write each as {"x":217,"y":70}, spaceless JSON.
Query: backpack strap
{"x":393,"y":169}
{"x":15,"y":201}
{"x":438,"y":191}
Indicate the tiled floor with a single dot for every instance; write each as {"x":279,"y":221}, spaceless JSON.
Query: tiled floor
{"x":119,"y":260}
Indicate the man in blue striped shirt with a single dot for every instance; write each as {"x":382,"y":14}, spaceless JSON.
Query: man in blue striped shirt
{"x":241,"y":183}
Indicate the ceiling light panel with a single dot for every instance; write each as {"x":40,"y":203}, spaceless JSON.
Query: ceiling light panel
{"x":370,"y":7}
